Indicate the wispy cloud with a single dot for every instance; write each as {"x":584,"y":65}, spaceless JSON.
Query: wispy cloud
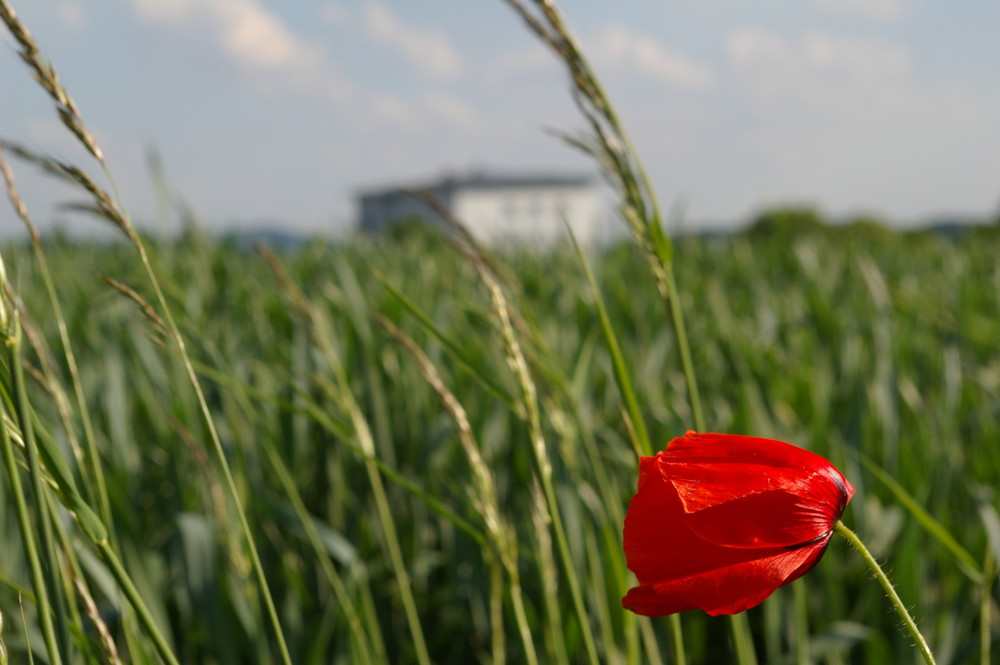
{"x":257,"y":40}
{"x":848,"y":118}
{"x":871,"y":10}
{"x":528,"y":60}
{"x":391,"y":110}
{"x":422,"y":112}
{"x":70,"y":14}
{"x":616,"y":49}
{"x":619,"y":47}
{"x":427,"y":50}
{"x":455,"y":112}
{"x":826,"y":71}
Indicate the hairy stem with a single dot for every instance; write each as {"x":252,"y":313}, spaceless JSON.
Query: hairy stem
{"x":890,"y":591}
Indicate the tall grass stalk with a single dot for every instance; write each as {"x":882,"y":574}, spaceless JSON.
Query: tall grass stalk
{"x":90,"y":459}
{"x":220,"y":454}
{"x":484,"y":495}
{"x":366,"y":650}
{"x":108,"y":646}
{"x":24,"y":626}
{"x":640,"y":441}
{"x":529,"y":397}
{"x":135,"y":599}
{"x":25,"y":523}
{"x":39,"y":453}
{"x":609,"y":144}
{"x":547,"y":506}
{"x":323,"y":336}
{"x":966,"y":562}
{"x":986,"y":607}
{"x":638,"y":436}
{"x":614,"y":151}
{"x":50,"y":592}
{"x":111,"y":209}
{"x":3,"y":647}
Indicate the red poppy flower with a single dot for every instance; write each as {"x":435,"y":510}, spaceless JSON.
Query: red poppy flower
{"x":720,"y":521}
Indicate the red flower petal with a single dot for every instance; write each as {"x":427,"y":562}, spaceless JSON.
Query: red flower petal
{"x":728,"y":482}
{"x":646,"y":601}
{"x":727,"y":467}
{"x":719,"y":522}
{"x":659,"y":543}
{"x":727,"y":590}
{"x":739,"y":523}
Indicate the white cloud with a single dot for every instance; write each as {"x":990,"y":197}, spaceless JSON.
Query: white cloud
{"x":70,"y":14}
{"x":394,"y":111}
{"x":528,"y":60}
{"x":844,"y":118}
{"x":820,"y":70}
{"x":455,"y":112}
{"x":334,"y":13}
{"x":253,"y":36}
{"x":256,"y":39}
{"x":429,"y":51}
{"x":621,"y":48}
{"x":872,"y":10}
{"x":860,"y":59}
{"x":617,"y":50}
{"x":249,"y":34}
{"x":431,"y":109}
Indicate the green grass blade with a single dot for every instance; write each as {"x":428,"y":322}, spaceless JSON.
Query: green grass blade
{"x":932,"y":526}
{"x":449,"y":344}
{"x":641,"y":442}
{"x":53,"y":598}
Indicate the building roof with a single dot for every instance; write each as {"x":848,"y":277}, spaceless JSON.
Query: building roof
{"x":483,"y":180}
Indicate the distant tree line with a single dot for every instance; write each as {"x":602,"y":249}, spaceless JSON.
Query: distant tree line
{"x":804,"y":221}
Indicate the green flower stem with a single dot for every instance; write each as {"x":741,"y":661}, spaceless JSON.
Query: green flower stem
{"x":880,"y":575}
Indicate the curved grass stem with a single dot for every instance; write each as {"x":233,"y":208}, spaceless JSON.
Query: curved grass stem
{"x":890,"y":591}
{"x":28,"y":540}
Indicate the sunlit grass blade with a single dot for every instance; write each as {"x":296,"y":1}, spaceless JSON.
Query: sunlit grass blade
{"x":322,"y":333}
{"x":932,"y":526}
{"x":483,"y":490}
{"x":991,"y":521}
{"x":110,"y":208}
{"x":641,"y":444}
{"x":94,"y":470}
{"x":529,"y":400}
{"x":432,"y":329}
{"x":639,"y":435}
{"x":51,"y":593}
{"x":26,"y":525}
{"x":369,"y":646}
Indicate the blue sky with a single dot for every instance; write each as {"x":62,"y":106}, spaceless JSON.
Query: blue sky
{"x":268,"y":112}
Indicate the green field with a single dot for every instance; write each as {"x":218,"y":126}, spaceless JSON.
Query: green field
{"x":881,"y":347}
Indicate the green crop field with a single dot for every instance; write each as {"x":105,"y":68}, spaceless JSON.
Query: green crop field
{"x":880,"y":349}
{"x":411,"y":449}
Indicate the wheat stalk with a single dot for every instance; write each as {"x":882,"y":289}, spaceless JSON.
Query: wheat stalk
{"x":45,"y":75}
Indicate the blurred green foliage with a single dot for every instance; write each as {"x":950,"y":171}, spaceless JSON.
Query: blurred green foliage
{"x":852,"y":341}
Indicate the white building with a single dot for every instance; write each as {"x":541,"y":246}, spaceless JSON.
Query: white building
{"x":525,"y":208}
